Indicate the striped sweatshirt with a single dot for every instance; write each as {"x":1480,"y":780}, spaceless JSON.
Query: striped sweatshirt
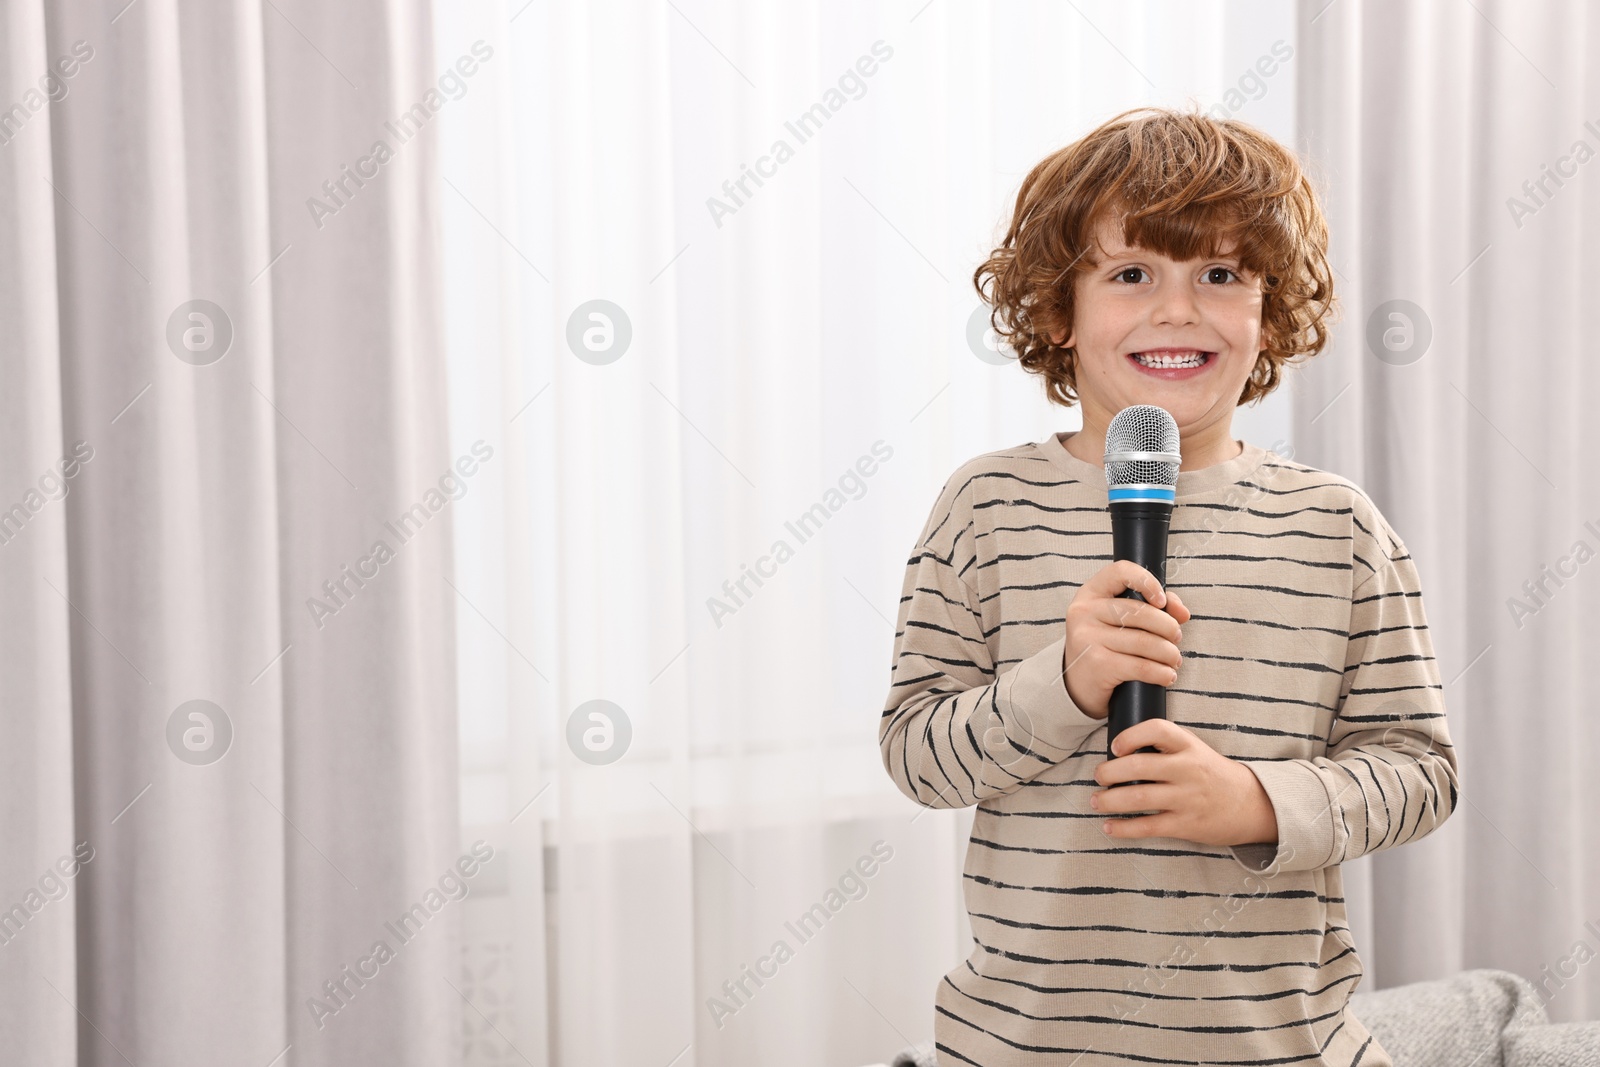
{"x":1307,"y":657}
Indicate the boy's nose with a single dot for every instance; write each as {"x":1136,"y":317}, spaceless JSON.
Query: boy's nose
{"x":1175,"y":306}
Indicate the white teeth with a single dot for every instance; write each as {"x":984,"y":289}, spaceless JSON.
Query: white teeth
{"x":1193,"y":360}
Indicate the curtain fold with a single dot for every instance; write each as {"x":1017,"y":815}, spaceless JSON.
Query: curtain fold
{"x":36,"y":773}
{"x":238,"y":709}
{"x":1452,"y":142}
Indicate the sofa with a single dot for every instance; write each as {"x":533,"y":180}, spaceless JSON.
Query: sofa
{"x":1478,"y":1018}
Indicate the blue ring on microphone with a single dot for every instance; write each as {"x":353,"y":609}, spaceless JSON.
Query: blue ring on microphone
{"x":1142,"y":492}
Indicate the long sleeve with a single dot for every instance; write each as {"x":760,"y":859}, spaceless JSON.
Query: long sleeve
{"x":1389,"y":775}
{"x":954,"y":732}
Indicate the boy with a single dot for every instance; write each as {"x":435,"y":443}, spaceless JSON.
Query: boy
{"x":1176,"y":260}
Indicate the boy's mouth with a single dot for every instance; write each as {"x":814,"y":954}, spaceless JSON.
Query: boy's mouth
{"x":1171,"y":363}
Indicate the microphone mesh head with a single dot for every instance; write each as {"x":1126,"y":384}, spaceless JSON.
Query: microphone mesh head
{"x":1142,"y":428}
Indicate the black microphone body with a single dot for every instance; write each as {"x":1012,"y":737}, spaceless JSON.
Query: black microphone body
{"x":1138,"y":533}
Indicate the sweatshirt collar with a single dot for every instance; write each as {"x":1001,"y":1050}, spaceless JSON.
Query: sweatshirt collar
{"x":1191,"y":484}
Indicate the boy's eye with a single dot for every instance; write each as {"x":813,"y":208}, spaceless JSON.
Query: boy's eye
{"x":1123,"y":275}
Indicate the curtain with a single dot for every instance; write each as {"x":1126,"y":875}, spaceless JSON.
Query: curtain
{"x":231,"y":726}
{"x":722,"y":382}
{"x":1453,"y":143}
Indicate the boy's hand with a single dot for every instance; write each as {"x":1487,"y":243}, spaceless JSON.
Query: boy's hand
{"x":1199,"y":794}
{"x":1113,"y":639}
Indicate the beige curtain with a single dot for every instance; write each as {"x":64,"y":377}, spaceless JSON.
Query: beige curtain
{"x":215,"y":794}
{"x":1455,"y":145}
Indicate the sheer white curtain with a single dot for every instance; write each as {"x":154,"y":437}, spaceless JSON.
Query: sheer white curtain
{"x":707,"y":529}
{"x":1457,"y":143}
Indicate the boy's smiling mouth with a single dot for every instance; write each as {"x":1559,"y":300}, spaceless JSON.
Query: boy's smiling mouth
{"x":1172,"y":363}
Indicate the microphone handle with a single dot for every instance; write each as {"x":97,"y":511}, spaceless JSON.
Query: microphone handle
{"x":1138,"y":533}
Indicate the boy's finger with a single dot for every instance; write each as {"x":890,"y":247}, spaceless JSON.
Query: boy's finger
{"x":1134,"y":767}
{"x":1164,"y":734}
{"x":1125,"y":574}
{"x":1175,"y":605}
{"x":1121,"y":613}
{"x":1139,"y":798}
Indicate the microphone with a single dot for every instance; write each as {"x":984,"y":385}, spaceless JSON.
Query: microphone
{"x":1142,"y":460}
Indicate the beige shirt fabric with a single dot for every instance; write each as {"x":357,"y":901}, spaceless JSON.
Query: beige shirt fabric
{"x":1308,"y":657}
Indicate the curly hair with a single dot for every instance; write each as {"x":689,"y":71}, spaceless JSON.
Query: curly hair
{"x":1185,"y":185}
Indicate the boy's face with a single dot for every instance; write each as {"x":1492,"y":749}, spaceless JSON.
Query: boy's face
{"x":1135,"y":300}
